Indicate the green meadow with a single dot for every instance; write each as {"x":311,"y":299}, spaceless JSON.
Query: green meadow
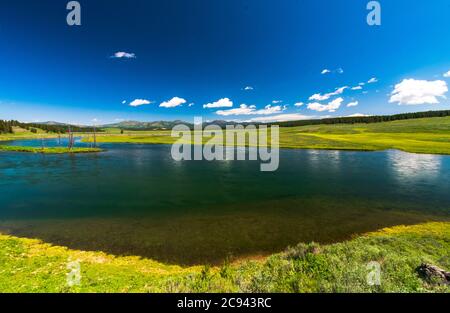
{"x":424,"y":135}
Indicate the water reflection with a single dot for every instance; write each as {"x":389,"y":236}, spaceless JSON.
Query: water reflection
{"x":324,"y":158}
{"x":410,"y":166}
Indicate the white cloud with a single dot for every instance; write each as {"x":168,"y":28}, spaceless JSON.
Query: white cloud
{"x":414,"y":92}
{"x":222,"y":103}
{"x":447,"y":75}
{"x":298,"y":104}
{"x":248,"y":88}
{"x":191,"y":104}
{"x":357,"y":115}
{"x":280,"y":118}
{"x":242,"y":110}
{"x":172,"y":103}
{"x":277,"y":101}
{"x":361,"y":84}
{"x":372,"y":80}
{"x":121,"y":54}
{"x":268,"y":109}
{"x":251,"y":110}
{"x":320,"y":97}
{"x":357,"y":87}
{"x":124,"y":101}
{"x":353,"y":104}
{"x":330,"y":107}
{"x":138,"y":102}
{"x":327,"y":71}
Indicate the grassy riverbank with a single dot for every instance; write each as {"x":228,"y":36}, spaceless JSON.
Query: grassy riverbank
{"x":29,"y":265}
{"x":424,"y":135}
{"x":49,"y":150}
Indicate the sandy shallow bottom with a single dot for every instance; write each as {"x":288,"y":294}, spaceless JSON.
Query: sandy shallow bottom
{"x":202,"y":237}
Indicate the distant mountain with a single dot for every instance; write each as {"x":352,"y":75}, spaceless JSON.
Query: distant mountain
{"x":135,"y":125}
{"x":147,"y":125}
{"x":52,"y":123}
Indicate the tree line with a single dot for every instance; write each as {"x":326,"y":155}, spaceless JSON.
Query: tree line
{"x":365,"y":119}
{"x":7,"y":127}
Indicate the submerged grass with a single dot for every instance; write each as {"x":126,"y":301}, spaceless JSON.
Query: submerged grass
{"x":49,"y":150}
{"x":29,"y":265}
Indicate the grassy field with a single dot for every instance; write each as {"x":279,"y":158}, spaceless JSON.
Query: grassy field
{"x":29,"y":265}
{"x":49,"y":150}
{"x":425,"y":135}
{"x":20,"y":133}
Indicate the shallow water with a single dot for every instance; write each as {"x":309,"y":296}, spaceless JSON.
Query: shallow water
{"x":134,"y":199}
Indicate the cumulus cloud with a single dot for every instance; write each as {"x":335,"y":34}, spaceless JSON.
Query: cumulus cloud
{"x":447,"y":75}
{"x":248,"y":88}
{"x":242,"y":110}
{"x":172,"y":103}
{"x":191,"y":104}
{"x":330,"y":107}
{"x":138,"y":102}
{"x":222,"y":103}
{"x":121,"y":54}
{"x":325,"y":71}
{"x":277,"y":101}
{"x":251,"y":110}
{"x":280,"y":118}
{"x":414,"y":92}
{"x":357,"y":115}
{"x":352,"y":104}
{"x":372,"y":80}
{"x":320,"y":97}
{"x":298,"y":104}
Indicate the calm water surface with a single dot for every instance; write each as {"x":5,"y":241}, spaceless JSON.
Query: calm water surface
{"x":134,"y":199}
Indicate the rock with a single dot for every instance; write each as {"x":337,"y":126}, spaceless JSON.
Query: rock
{"x":433,"y":274}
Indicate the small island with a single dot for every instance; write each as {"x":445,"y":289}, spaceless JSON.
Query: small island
{"x":49,"y":150}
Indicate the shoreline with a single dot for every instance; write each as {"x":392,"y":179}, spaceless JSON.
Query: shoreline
{"x":339,"y":267}
{"x":48,"y":150}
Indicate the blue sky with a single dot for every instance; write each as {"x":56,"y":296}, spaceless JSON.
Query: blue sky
{"x":198,"y":52}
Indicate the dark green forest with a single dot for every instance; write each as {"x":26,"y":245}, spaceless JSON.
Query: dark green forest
{"x":365,"y":119}
{"x":7,"y":127}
